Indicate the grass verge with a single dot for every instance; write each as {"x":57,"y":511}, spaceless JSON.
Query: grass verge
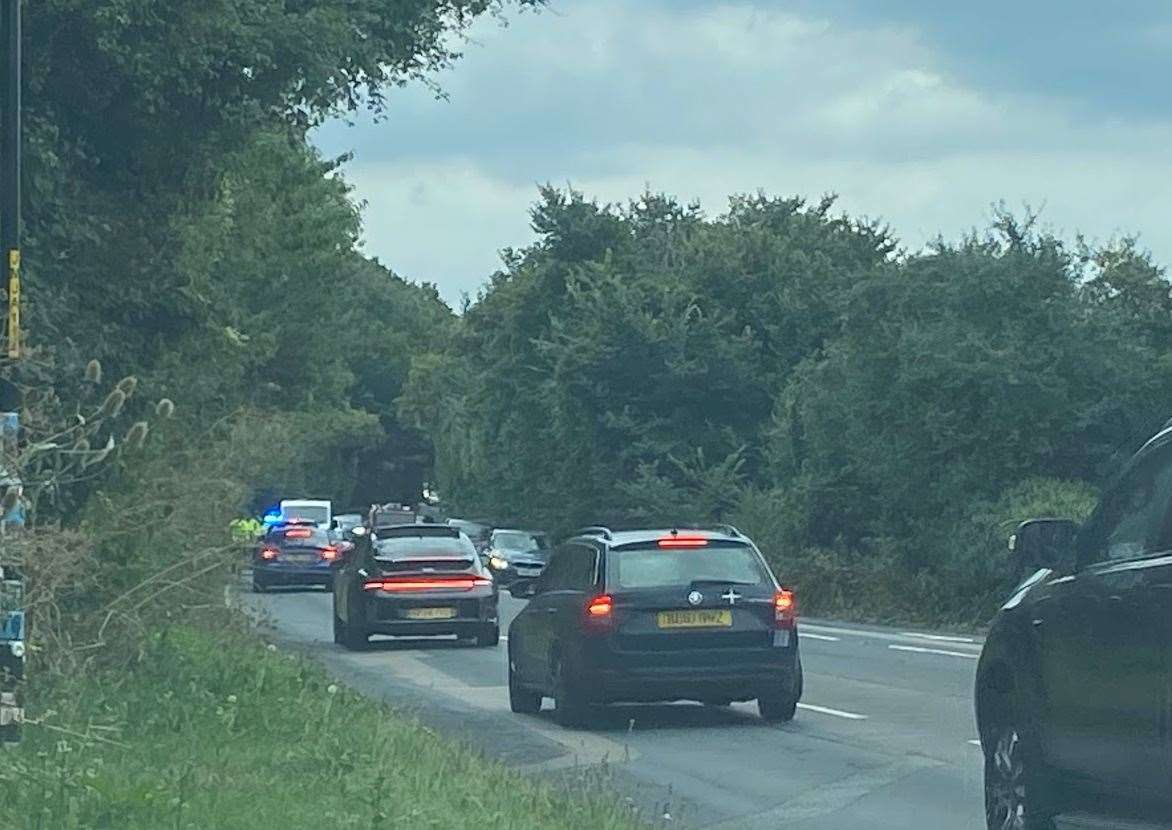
{"x":214,"y":730}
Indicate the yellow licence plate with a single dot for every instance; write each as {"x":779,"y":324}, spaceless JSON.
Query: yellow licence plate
{"x":712,"y":618}
{"x":429,"y":613}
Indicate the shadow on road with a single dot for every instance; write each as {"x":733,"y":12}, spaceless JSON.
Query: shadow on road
{"x":663,"y":716}
{"x":395,"y":644}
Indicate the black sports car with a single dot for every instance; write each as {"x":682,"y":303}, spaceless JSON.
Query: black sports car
{"x":414,"y":580}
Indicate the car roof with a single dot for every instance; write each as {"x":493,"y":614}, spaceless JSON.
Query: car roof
{"x":622,"y":538}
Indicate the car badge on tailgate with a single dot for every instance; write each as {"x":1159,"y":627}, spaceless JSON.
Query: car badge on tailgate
{"x":732,"y":596}
{"x":695,"y":598}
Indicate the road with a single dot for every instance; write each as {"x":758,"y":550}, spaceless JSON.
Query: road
{"x":884,"y":738}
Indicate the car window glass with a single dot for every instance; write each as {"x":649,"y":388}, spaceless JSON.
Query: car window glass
{"x":553,"y":578}
{"x":581,"y":570}
{"x":1131,"y":520}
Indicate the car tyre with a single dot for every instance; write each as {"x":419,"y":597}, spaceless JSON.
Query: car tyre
{"x":521,"y":700}
{"x":777,"y":707}
{"x":259,"y":586}
{"x":1013,"y":779}
{"x":489,"y":636}
{"x":570,"y":709}
{"x":349,"y":637}
{"x":781,"y":705}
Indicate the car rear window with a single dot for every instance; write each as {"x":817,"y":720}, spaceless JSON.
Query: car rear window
{"x":654,"y":567}
{"x":424,"y":547}
{"x":303,"y":537}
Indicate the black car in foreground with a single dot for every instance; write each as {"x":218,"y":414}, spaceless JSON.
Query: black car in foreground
{"x":295,"y":554}
{"x":414,"y":580}
{"x":516,"y":554}
{"x":1074,"y":686}
{"x":655,"y":615}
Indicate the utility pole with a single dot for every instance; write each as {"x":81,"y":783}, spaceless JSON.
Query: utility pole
{"x":10,"y":150}
{"x":12,"y":634}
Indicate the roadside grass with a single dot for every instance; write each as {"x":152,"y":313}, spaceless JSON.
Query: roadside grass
{"x":214,"y":730}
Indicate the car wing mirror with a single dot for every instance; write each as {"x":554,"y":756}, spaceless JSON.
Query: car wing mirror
{"x":1043,"y":543}
{"x":523,"y":588}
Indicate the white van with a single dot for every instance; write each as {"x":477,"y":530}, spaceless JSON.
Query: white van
{"x":320,"y":512}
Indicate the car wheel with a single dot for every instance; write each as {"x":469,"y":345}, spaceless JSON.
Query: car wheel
{"x":521,"y":700}
{"x":350,"y":637}
{"x":490,"y":635}
{"x":1011,"y":776}
{"x":337,"y":629}
{"x":569,"y":709}
{"x":259,"y":586}
{"x":777,"y":707}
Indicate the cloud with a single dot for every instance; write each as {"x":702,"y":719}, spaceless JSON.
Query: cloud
{"x":702,"y":101}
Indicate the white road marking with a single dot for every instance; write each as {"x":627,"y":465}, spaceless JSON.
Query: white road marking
{"x":806,"y":635}
{"x":940,"y":638}
{"x":838,"y":713}
{"x":975,"y":743}
{"x":919,"y":650}
{"x":894,"y":636}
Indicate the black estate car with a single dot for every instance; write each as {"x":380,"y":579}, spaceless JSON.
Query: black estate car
{"x":655,"y":615}
{"x":414,"y":580}
{"x":1074,"y":686}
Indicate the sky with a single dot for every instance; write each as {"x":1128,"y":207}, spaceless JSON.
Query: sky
{"x":919,"y":113}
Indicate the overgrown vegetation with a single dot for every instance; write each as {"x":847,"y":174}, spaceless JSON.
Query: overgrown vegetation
{"x":876,"y":419}
{"x":211,"y":730}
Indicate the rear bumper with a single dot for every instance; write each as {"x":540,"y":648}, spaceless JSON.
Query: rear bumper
{"x":741,"y":675}
{"x":274,"y":574}
{"x":388,"y":614}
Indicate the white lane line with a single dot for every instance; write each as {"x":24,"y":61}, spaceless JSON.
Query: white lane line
{"x":975,"y":743}
{"x":919,"y":650}
{"x":876,"y":635}
{"x":806,"y":635}
{"x":939,"y":638}
{"x":838,"y":713}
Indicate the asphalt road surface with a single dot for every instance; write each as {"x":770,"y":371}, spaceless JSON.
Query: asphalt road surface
{"x":884,"y":738}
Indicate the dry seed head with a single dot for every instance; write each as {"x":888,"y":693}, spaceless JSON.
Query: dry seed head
{"x":93,"y":372}
{"x":165,"y":408}
{"x":127,"y":385}
{"x":137,"y":435}
{"x":113,"y":404}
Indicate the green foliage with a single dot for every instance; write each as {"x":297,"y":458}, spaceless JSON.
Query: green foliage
{"x":213,"y":730}
{"x":874,"y":418}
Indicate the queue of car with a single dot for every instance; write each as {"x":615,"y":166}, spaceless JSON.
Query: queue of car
{"x":1074,"y":682}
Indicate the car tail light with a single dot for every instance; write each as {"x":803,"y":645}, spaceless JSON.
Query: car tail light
{"x":680,"y":541}
{"x":269,"y":553}
{"x":329,"y":554}
{"x":785,"y":608}
{"x":408,"y":584}
{"x":298,"y":533}
{"x":599,"y":614}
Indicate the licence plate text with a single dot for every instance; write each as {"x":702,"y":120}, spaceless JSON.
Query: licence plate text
{"x":429,"y":613}
{"x":708,"y":618}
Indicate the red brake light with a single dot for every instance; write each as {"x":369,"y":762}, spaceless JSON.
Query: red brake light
{"x":329,"y":554}
{"x":460,"y":583}
{"x":599,"y":616}
{"x":600,"y":606}
{"x":298,"y":533}
{"x":785,"y":608}
{"x":680,"y":541}
{"x":268,"y":553}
